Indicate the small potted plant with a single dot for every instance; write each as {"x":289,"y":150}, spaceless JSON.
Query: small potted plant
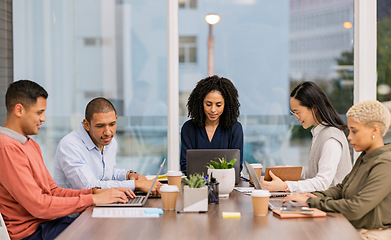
{"x":195,"y":194}
{"x":224,"y":172}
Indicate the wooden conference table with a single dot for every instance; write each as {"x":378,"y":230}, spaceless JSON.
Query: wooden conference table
{"x":211,"y":225}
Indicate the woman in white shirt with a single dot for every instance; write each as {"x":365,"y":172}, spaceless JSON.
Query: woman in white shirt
{"x":329,"y":157}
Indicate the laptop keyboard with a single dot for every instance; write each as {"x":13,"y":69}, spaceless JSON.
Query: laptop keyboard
{"x":136,"y":200}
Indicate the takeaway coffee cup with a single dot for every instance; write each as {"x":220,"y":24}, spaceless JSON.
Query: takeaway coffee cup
{"x":258,"y":170}
{"x":169,"y":195}
{"x":260,"y":202}
{"x":174,"y":178}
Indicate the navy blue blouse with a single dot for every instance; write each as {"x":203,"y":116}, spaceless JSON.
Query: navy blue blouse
{"x":193,"y":137}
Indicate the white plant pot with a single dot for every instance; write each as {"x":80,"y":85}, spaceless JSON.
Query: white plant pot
{"x":195,"y":199}
{"x":226,"y":179}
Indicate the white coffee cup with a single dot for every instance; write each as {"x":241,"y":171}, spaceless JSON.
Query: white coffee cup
{"x":169,"y":195}
{"x":258,"y":170}
{"x":174,"y":178}
{"x":260,"y":202}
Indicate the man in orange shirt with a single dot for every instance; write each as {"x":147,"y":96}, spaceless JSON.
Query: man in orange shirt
{"x":32,"y":205}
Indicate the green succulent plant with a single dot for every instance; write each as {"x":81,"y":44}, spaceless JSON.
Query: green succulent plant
{"x":222,"y":164}
{"x":195,"y":181}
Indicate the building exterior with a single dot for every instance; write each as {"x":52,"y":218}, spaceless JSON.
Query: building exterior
{"x":318,"y":36}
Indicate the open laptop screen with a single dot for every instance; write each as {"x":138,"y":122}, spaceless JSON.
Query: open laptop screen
{"x":198,"y":159}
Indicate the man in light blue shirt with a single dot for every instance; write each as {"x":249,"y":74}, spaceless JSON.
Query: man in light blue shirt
{"x":86,"y":157}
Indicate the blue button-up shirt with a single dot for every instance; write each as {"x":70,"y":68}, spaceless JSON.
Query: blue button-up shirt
{"x":79,"y":163}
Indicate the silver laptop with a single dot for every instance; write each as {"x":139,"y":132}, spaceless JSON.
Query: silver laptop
{"x":197,"y":159}
{"x":273,"y":203}
{"x":276,"y":203}
{"x":139,"y":200}
{"x":257,"y":184}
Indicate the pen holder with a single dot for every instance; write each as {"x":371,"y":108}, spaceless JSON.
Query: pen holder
{"x":213,"y":193}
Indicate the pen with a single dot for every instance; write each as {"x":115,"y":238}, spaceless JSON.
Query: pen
{"x":192,"y":212}
{"x":214,"y":198}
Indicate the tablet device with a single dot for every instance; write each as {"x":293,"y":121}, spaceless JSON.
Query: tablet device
{"x":285,"y":173}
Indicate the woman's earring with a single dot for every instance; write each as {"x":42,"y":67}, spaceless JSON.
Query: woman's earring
{"x":373,"y":137}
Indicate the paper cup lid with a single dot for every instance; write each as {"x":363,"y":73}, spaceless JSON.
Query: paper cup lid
{"x":169,"y":188}
{"x":174,"y":173}
{"x":260,"y":193}
{"x":256,"y":165}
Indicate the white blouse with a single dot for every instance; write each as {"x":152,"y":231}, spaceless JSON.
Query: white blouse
{"x":327,"y":166}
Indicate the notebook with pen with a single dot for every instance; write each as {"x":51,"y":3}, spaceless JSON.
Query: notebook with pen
{"x":139,"y":200}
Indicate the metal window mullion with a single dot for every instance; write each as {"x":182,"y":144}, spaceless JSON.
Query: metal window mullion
{"x":172,"y":86}
{"x":365,"y":43}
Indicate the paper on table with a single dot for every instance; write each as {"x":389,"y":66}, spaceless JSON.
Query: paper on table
{"x":160,"y":178}
{"x":249,"y":190}
{"x":120,"y":212}
{"x":244,"y":189}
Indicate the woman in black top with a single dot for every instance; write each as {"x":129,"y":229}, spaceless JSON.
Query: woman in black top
{"x":214,"y":109}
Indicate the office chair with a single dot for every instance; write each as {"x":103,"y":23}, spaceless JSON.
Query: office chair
{"x":3,"y":230}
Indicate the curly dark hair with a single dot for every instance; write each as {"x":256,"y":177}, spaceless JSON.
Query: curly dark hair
{"x":228,"y":91}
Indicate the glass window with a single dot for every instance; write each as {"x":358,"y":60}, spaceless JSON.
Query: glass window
{"x":118,"y":50}
{"x":384,"y":54}
{"x":266,"y":48}
{"x":187,"y":3}
{"x":79,"y":50}
{"x":187,"y":49}
{"x":6,"y":55}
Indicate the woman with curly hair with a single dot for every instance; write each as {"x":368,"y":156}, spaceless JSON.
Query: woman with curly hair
{"x":364,"y":196}
{"x":213,"y":107}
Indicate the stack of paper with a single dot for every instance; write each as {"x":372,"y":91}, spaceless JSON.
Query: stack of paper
{"x":120,"y":212}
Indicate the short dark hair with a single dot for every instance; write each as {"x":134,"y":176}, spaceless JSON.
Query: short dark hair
{"x":98,"y":105}
{"x":228,"y":91}
{"x":312,"y":96}
{"x":24,"y":92}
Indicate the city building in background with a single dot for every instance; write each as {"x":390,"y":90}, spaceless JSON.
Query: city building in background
{"x":319,"y":32}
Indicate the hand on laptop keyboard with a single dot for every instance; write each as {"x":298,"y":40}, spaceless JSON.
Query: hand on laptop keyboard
{"x":291,"y":204}
{"x":277,"y":204}
{"x":144,"y":186}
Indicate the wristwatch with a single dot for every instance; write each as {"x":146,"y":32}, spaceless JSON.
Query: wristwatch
{"x":95,"y":188}
{"x":309,"y":201}
{"x":128,"y":174}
